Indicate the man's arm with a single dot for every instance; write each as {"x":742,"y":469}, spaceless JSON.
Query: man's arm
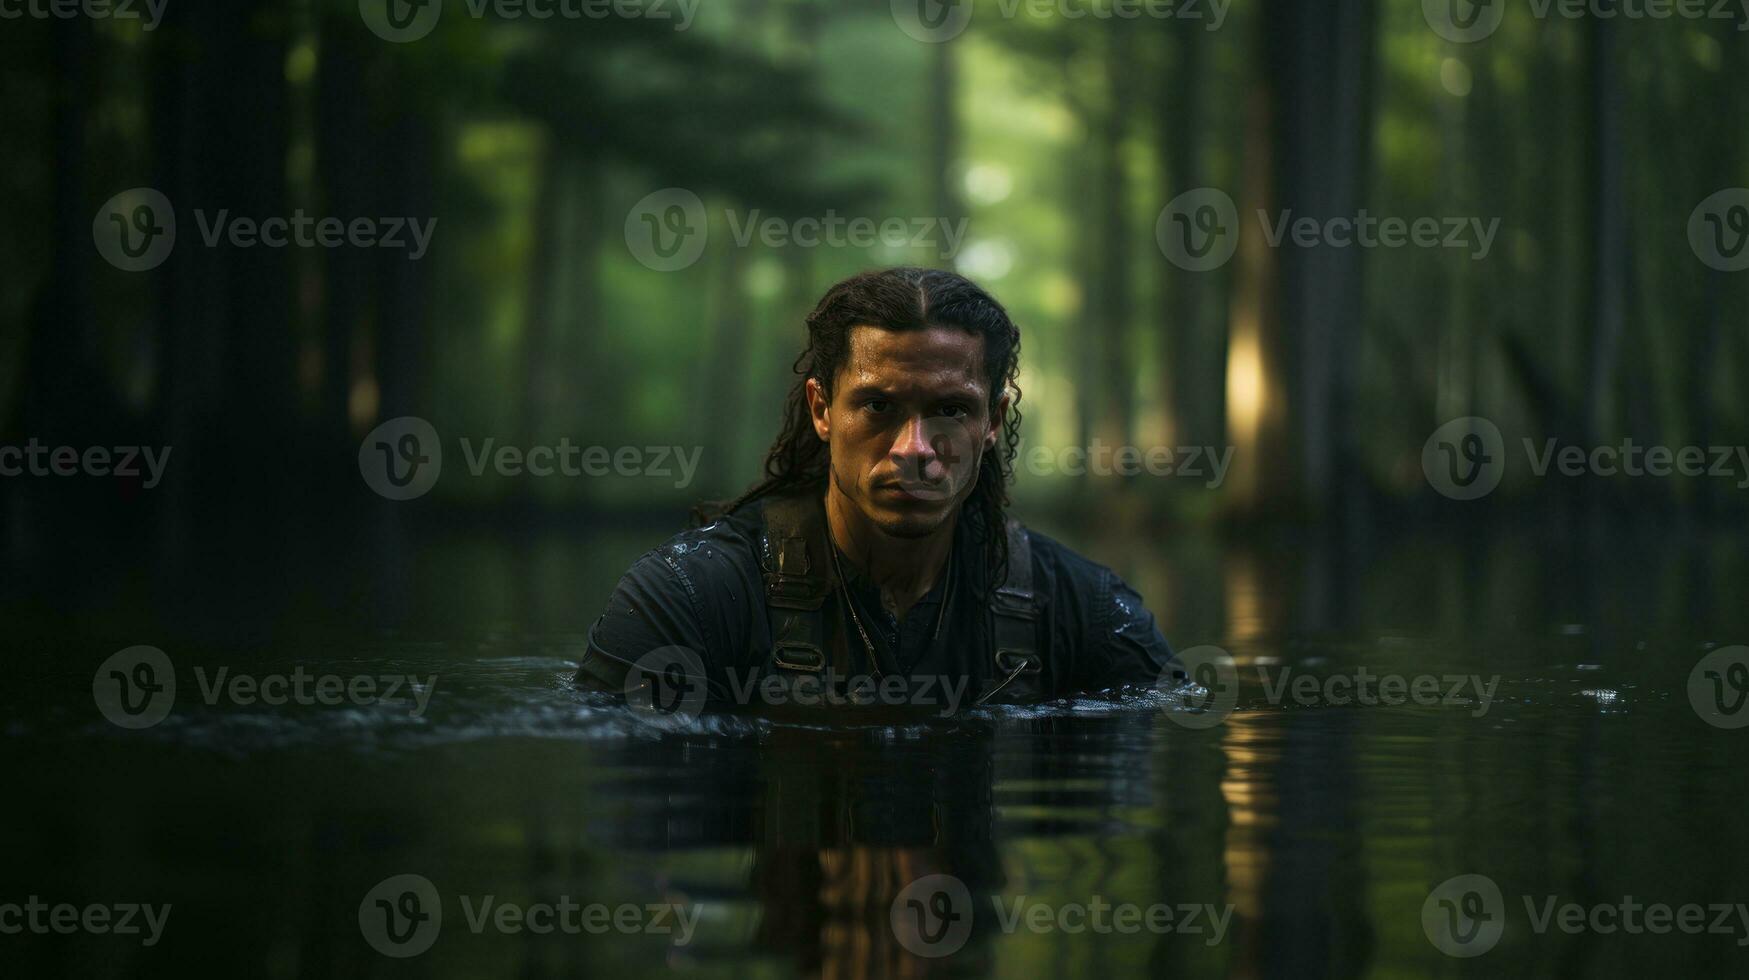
{"x":651,"y":607}
{"x":691,"y":592}
{"x":1124,"y":645}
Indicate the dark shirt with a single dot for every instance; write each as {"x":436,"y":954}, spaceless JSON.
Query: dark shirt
{"x":704,"y":590}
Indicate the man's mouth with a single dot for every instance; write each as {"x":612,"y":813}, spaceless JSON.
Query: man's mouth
{"x":920,"y":490}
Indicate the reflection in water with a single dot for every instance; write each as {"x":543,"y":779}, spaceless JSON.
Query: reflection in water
{"x":836,"y":824}
{"x":839,"y":832}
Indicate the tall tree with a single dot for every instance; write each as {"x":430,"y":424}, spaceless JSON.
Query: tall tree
{"x":1606,"y":245}
{"x":1317,"y":64}
{"x":1191,"y":309}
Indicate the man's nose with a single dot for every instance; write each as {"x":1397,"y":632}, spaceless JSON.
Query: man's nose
{"x":913,"y":441}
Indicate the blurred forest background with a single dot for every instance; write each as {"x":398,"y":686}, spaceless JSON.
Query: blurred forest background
{"x":1059,"y":139}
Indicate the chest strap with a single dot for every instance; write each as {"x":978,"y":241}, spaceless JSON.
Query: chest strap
{"x":1014,"y":609}
{"x":799,"y":579}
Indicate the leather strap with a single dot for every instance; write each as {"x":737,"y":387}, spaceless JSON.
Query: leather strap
{"x":798,"y":580}
{"x":1015,"y":610}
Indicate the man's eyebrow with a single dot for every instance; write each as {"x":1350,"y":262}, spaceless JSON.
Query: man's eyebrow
{"x":956,"y":391}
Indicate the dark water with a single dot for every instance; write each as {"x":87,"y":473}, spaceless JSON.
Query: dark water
{"x":1313,"y":832}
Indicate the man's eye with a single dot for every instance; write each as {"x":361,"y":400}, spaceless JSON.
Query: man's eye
{"x":954,"y":411}
{"x":876,"y":405}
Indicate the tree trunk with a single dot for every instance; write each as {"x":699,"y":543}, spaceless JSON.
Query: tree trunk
{"x":1603,"y":298}
{"x":1320,"y":72}
{"x":345,"y":158}
{"x":1111,"y":282}
{"x":1196,"y":337}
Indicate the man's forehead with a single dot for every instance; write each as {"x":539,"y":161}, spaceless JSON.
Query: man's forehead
{"x":929,"y":354}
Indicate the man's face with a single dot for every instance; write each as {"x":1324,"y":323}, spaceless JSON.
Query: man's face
{"x":908,"y":423}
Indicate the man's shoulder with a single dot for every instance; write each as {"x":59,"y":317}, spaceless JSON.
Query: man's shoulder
{"x":1102,"y":618}
{"x":696,"y":555}
{"x":1058,"y":567}
{"x":1051,"y":549}
{"x":695,"y":590}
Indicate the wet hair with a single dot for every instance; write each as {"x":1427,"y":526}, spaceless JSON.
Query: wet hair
{"x":905,"y":298}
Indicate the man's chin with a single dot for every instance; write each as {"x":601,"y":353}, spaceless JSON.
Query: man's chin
{"x":913,"y":519}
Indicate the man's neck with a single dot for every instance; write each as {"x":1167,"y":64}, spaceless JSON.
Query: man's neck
{"x":904,"y":569}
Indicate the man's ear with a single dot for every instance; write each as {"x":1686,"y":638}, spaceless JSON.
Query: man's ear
{"x":820,"y":407}
{"x":997,"y":421}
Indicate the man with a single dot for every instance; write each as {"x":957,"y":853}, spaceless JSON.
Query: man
{"x":875,"y":563}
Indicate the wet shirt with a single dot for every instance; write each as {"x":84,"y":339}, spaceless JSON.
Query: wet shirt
{"x":704,"y":591}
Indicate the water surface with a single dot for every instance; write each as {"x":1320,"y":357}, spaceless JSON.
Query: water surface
{"x":1314,"y":830}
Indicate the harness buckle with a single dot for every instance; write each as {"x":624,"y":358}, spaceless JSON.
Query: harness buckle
{"x":797,"y":657}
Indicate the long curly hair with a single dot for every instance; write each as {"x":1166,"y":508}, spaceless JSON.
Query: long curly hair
{"x":905,"y":298}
